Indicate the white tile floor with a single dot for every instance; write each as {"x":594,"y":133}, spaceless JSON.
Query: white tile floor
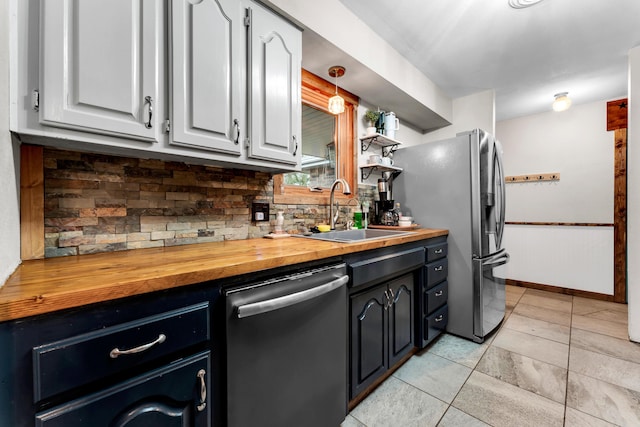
{"x":557,"y":360}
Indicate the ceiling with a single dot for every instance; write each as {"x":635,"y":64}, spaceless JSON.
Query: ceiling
{"x":526,"y":55}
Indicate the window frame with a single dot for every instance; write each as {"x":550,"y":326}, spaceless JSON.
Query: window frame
{"x":316,"y":92}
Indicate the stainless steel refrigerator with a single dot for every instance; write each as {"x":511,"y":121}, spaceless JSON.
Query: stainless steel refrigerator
{"x":458,"y":184}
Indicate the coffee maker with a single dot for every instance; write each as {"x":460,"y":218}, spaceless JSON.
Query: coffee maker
{"x":384,"y":214}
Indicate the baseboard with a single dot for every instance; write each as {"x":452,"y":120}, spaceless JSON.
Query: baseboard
{"x":560,"y":290}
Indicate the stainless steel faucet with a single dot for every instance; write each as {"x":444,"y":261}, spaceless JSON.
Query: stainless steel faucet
{"x":345,"y":190}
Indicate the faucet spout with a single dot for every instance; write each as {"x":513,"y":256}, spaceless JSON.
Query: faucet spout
{"x":345,"y":190}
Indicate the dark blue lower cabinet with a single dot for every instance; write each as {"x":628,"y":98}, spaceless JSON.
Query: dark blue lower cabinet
{"x":369,"y":338}
{"x":174,"y":395}
{"x":382,"y":330}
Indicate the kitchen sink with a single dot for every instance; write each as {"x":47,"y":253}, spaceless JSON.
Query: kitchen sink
{"x":353,"y":236}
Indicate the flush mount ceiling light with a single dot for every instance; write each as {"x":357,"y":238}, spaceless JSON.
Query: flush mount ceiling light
{"x":336,"y":103}
{"x":521,"y":4}
{"x":562,"y":101}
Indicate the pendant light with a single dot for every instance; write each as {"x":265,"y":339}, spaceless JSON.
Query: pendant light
{"x":562,"y":101}
{"x":336,"y":103}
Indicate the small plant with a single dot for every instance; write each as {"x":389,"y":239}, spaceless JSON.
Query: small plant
{"x":372,"y":116}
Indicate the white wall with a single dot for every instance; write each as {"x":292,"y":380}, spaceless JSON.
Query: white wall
{"x":469,"y":112}
{"x":407,"y":135}
{"x":576,"y":144}
{"x":331,"y":20}
{"x":569,"y":257}
{"x":633,"y":195}
{"x":9,"y":190}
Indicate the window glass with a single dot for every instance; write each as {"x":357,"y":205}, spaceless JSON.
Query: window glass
{"x":328,"y":146}
{"x":318,"y":150}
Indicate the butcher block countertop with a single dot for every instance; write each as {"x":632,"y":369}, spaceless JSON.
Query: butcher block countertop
{"x":43,"y":286}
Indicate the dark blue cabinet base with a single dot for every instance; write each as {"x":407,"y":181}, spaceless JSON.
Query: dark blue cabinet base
{"x":169,"y":396}
{"x":62,"y":369}
{"x":433,"y":290}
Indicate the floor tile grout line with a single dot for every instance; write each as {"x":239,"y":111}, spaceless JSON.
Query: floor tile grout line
{"x":474,"y":369}
{"x":539,"y":320}
{"x":601,"y":352}
{"x":533,"y":358}
{"x":490,"y":342}
{"x":566,"y":398}
{"x":566,"y":380}
{"x":539,"y":306}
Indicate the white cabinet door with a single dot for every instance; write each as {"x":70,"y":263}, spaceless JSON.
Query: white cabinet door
{"x":100,"y":67}
{"x":274,"y":87}
{"x":207,"y":74}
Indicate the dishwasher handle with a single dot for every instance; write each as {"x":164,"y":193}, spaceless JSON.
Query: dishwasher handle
{"x":266,"y":306}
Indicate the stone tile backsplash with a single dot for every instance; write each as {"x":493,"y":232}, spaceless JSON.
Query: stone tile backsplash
{"x":100,"y":203}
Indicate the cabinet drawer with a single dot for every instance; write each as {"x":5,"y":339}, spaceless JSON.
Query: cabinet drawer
{"x":436,"y":297}
{"x":177,"y":394}
{"x":436,"y":272}
{"x":435,"y":323}
{"x":81,"y":359}
{"x":436,"y":251}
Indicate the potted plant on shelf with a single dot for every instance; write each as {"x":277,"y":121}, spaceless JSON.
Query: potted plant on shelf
{"x":372,"y":118}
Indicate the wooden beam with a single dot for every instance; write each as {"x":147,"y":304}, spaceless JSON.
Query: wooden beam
{"x":31,"y":202}
{"x":620,"y":217}
{"x":617,"y":114}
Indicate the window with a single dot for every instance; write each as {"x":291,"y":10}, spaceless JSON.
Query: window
{"x":318,"y":150}
{"x":328,"y":146}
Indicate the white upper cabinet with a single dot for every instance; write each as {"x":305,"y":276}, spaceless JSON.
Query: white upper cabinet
{"x":207,"y":74}
{"x":99,"y":66}
{"x":275,"y":49}
{"x":184,"y":80}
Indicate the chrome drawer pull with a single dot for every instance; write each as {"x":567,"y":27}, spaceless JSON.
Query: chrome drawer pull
{"x":203,"y":390}
{"x":438,"y":251}
{"x":439,"y":293}
{"x":438,"y":268}
{"x":117,"y":352}
{"x":439,"y":318}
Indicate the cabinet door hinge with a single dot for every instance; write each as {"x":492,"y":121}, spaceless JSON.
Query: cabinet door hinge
{"x":167,"y":126}
{"x":247,"y":143}
{"x":247,"y":18}
{"x":35,"y":100}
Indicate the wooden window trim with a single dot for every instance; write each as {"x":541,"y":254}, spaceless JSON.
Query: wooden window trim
{"x":316,"y":93}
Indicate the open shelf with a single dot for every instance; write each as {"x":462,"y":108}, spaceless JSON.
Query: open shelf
{"x":373,"y":167}
{"x":388,"y":145}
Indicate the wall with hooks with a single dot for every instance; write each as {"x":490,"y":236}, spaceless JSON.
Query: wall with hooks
{"x":535,"y":177}
{"x":575,"y":146}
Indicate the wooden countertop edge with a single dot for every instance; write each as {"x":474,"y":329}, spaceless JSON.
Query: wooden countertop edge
{"x":43,"y":286}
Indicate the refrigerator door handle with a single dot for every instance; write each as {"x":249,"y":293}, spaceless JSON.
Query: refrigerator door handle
{"x":500,"y":192}
{"x":496,"y":260}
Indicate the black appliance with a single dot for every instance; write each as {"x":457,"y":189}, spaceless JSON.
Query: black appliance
{"x":286,"y":350}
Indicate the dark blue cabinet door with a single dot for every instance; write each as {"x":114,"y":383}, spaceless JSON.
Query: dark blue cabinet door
{"x":369,"y":345}
{"x":401,"y":318}
{"x":174,"y":395}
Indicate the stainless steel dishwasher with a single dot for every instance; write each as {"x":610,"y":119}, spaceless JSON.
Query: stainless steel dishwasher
{"x":286,"y":350}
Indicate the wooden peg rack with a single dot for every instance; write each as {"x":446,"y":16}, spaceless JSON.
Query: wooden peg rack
{"x":554,"y":176}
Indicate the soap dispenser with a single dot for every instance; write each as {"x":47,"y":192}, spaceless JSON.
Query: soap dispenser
{"x":279,"y":223}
